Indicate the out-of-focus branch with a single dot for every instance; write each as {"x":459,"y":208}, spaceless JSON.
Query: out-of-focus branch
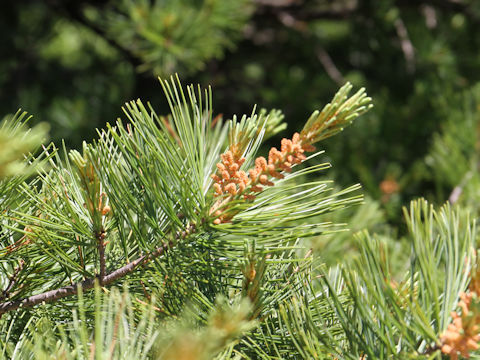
{"x":73,"y":11}
{"x":457,"y":190}
{"x":406,"y":45}
{"x":329,"y":66}
{"x":430,"y":16}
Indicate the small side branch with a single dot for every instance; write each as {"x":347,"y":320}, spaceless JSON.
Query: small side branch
{"x":85,"y":285}
{"x":101,"y":254}
{"x":457,"y":190}
{"x":330,"y":66}
{"x":406,"y":45}
{"x":11,"y":282}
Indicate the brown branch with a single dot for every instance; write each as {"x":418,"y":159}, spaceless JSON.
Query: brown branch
{"x":457,"y":190}
{"x":101,"y":254}
{"x":406,"y":45}
{"x":12,"y":281}
{"x":431,"y":349}
{"x":430,"y":16}
{"x":85,"y":285}
{"x":330,"y":66}
{"x":327,"y":62}
{"x":147,"y":295}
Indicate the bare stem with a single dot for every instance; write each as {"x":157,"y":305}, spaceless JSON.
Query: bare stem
{"x":87,"y":284}
{"x":101,"y":254}
{"x":12,"y":281}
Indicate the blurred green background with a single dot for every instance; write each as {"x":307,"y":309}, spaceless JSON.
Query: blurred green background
{"x":74,"y":63}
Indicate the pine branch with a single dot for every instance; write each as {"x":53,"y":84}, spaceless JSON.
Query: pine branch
{"x":406,"y":44}
{"x":85,"y":285}
{"x":325,"y":59}
{"x":329,"y":66}
{"x":12,"y":281}
{"x":151,"y":182}
{"x":101,"y":255}
{"x":16,"y":141}
{"x":73,"y":11}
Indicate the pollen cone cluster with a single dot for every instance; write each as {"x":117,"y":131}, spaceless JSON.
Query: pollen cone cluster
{"x":463,"y":334}
{"x":232,"y":183}
{"x":229,"y":178}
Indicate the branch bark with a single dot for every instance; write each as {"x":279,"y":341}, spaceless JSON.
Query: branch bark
{"x":101,"y":254}
{"x":11,"y":282}
{"x":85,"y":285}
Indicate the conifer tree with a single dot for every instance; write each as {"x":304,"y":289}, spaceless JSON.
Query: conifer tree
{"x":209,"y":243}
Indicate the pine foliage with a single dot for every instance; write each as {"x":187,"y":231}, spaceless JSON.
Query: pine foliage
{"x":454,"y":155}
{"x":158,"y":33}
{"x":215,"y":247}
